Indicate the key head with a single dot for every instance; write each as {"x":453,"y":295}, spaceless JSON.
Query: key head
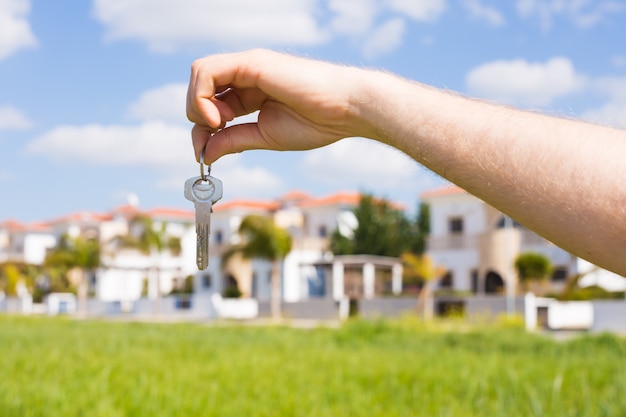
{"x":198,"y":190}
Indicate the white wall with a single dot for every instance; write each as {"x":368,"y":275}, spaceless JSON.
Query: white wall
{"x":461,"y":263}
{"x":35,"y":247}
{"x":295,"y":286}
{"x":464,"y":205}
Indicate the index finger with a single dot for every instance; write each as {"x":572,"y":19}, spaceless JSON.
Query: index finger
{"x":211,"y":76}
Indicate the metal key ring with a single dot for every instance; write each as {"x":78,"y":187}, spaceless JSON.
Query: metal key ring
{"x":202,"y":174}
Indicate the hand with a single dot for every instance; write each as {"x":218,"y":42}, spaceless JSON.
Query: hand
{"x":302,"y":104}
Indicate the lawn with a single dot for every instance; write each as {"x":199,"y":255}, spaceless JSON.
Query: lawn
{"x":62,"y":367}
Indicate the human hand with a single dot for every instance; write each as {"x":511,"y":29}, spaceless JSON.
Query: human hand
{"x":303,"y":104}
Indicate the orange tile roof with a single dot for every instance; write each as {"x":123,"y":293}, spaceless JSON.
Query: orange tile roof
{"x":443,"y":191}
{"x":349,"y":198}
{"x":299,"y":198}
{"x":295,"y":195}
{"x":246,"y":204}
{"x":82,"y":216}
{"x":12,"y":225}
{"x":39,"y":227}
{"x":171,"y":213}
{"x":15,"y":226}
{"x":126,"y":210}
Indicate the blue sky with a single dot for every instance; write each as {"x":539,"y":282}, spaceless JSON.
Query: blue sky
{"x":92,"y":92}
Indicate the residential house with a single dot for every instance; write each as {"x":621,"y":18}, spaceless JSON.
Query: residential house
{"x":25,"y":243}
{"x":478,"y":245}
{"x":128,"y":273}
{"x":309,"y":270}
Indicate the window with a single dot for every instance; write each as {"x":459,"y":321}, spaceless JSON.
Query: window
{"x":183,"y":303}
{"x":322,"y":231}
{"x":559,"y":274}
{"x":474,"y":275}
{"x":506,"y":222}
{"x":455,"y":225}
{"x":219,"y":237}
{"x":206,"y":281}
{"x":447,"y":281}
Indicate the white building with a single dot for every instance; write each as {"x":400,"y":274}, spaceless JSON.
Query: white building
{"x":309,"y":270}
{"x":127,"y":274}
{"x":478,"y":246}
{"x":25,"y":243}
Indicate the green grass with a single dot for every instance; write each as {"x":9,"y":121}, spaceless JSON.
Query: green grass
{"x":61,"y":367}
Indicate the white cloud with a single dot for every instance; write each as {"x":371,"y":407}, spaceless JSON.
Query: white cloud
{"x":613,"y":112}
{"x":360,"y":161}
{"x":167,"y":25}
{"x":12,"y":118}
{"x":166,"y":104}
{"x":162,"y":147}
{"x":479,"y":11}
{"x":422,"y":11}
{"x":524,"y":83}
{"x":582,"y":13}
{"x":153,"y":144}
{"x":385,"y":38}
{"x":15,"y":31}
{"x":353,"y":19}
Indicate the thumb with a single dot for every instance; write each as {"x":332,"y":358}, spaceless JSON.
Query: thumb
{"x":234,"y":139}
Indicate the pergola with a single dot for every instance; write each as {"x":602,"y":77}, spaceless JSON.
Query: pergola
{"x":362,"y":276}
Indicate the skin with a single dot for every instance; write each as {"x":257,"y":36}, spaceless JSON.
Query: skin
{"x":561,"y":178}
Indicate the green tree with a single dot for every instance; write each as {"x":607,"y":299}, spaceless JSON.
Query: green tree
{"x":11,"y":279}
{"x":340,"y":244}
{"x":262,"y":239}
{"x":77,"y":253}
{"x":533,"y":268}
{"x":382,"y":230}
{"x":422,"y":229}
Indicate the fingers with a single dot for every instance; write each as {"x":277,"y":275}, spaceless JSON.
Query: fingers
{"x":209,"y":86}
{"x":232,"y":139}
{"x":210,"y":111}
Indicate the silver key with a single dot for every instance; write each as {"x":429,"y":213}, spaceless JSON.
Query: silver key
{"x":204,"y":191}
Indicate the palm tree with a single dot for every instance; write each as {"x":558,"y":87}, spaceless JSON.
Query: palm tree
{"x":152,"y":241}
{"x":262,"y":239}
{"x":423,"y":268}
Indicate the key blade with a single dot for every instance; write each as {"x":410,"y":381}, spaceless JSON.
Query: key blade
{"x":203,"y":233}
{"x":202,"y":245}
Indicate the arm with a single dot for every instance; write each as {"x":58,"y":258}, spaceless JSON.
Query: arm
{"x":561,"y":178}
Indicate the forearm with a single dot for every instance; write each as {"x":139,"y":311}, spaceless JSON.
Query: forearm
{"x":560,"y":178}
